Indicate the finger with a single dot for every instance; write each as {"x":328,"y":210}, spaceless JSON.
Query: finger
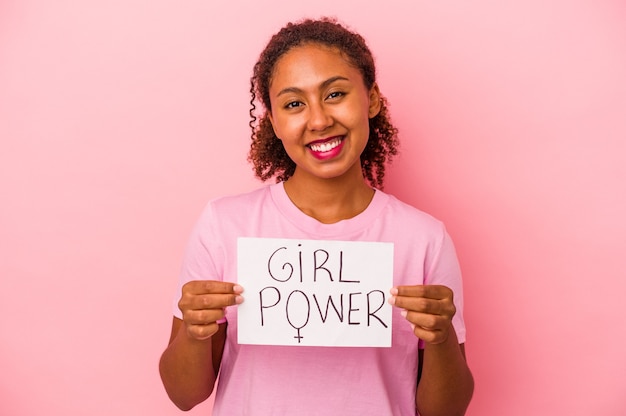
{"x":203,"y":316}
{"x":209,"y":301}
{"x":427,"y":321}
{"x":200,"y":287}
{"x":431,"y":329}
{"x":423,"y":291}
{"x":430,"y":337}
{"x":202,"y":332}
{"x":424,"y":305}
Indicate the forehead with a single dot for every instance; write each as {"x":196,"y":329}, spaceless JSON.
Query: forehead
{"x":311,"y":61}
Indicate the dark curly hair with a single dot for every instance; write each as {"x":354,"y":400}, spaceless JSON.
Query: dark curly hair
{"x":267,"y":153}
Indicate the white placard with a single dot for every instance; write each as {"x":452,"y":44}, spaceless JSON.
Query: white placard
{"x":314,"y":292}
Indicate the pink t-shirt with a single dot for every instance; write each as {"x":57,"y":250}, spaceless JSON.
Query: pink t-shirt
{"x":284,"y":380}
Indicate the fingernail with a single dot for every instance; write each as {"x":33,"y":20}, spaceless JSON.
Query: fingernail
{"x":394,"y":291}
{"x":238,"y":289}
{"x":392,"y":300}
{"x":238,"y":299}
{"x":403,"y":312}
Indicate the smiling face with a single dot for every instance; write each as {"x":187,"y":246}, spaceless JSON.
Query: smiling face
{"x":320,"y":110}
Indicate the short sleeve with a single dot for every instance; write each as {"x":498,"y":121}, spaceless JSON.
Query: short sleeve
{"x":201,"y":259}
{"x":442,"y":268}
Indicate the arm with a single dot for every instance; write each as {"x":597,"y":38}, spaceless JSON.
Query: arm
{"x":190,"y":363}
{"x":445,"y":384}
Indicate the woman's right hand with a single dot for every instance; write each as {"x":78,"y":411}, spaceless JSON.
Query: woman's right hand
{"x":202,"y":304}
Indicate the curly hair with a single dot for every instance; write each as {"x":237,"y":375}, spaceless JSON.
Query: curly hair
{"x":267,"y":153}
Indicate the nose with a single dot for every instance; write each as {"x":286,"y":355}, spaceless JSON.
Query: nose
{"x":319,"y":118}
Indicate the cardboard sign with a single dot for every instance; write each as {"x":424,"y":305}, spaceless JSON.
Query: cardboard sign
{"x":314,"y":292}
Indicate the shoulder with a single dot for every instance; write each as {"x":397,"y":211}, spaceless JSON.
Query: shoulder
{"x":245,"y":214}
{"x":412,"y":218}
{"x":237,"y":203}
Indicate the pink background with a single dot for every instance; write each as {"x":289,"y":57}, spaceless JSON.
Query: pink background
{"x":119,"y":119}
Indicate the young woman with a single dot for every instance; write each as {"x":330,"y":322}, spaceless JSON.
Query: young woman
{"x":325,"y":136}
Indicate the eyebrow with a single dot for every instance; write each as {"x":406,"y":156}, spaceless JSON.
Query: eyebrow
{"x":322,"y":85}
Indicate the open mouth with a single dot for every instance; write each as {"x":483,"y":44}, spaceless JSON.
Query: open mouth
{"x":322,"y":147}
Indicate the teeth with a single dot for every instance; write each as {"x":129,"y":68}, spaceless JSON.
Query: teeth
{"x":325,"y":147}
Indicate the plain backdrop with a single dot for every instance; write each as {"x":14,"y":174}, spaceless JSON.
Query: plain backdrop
{"x":120,"y":119}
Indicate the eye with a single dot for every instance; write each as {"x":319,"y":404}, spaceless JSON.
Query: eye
{"x":293,"y":104}
{"x":336,"y":94}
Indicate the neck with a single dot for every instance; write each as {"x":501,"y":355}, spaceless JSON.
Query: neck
{"x":329,"y":200}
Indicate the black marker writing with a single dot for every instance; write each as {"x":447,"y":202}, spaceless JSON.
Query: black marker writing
{"x":320,"y":263}
{"x":263,"y":306}
{"x":308,"y":314}
{"x":321,"y":266}
{"x":341,"y":271}
{"x":298,"y":307}
{"x":369,"y":304}
{"x":351,"y":309}
{"x":329,"y":302}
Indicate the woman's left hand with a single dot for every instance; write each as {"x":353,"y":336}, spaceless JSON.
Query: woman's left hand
{"x":428,"y":308}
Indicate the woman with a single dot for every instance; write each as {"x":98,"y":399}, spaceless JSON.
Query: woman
{"x":325,"y":136}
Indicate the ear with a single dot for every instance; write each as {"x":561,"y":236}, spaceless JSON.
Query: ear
{"x":375,"y":104}
{"x":268,"y":114}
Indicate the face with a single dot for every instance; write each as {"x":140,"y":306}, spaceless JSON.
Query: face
{"x":321,"y":110}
